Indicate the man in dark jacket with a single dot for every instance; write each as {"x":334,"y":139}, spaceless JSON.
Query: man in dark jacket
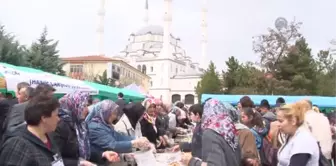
{"x":121,"y":103}
{"x":195,"y":147}
{"x":16,"y":116}
{"x":7,"y":104}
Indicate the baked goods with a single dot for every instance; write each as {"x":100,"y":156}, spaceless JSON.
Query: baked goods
{"x":174,"y":164}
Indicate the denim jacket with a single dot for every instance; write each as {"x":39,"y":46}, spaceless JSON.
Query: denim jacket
{"x":104,"y":137}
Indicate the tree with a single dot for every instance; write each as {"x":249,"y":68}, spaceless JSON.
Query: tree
{"x":325,"y":62}
{"x":209,"y":83}
{"x":11,"y":51}
{"x":273,"y":46}
{"x":43,"y":55}
{"x":104,"y":80}
{"x":229,"y":77}
{"x":299,"y":68}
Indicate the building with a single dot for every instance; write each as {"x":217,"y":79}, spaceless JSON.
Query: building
{"x":89,"y":67}
{"x":155,"y":51}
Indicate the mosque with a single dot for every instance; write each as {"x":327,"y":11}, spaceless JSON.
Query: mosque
{"x":154,"y":50}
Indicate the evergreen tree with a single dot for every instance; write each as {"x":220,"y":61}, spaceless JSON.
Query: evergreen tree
{"x":299,"y":68}
{"x":11,"y":51}
{"x":229,"y":77}
{"x":43,"y":55}
{"x":209,"y":83}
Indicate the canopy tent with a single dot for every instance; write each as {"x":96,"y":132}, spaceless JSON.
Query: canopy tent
{"x":11,"y":75}
{"x":15,"y":74}
{"x":320,"y":101}
{"x":107,"y":92}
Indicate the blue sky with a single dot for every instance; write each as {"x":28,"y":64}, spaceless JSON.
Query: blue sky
{"x":232,"y":23}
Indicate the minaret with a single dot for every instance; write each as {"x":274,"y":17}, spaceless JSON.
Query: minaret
{"x":146,"y":19}
{"x":100,"y":28}
{"x":204,"y":31}
{"x":167,"y":19}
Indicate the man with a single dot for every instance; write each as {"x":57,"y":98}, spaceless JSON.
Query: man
{"x":7,"y":104}
{"x":16,"y":115}
{"x":280,"y":101}
{"x":195,"y":146}
{"x":265,"y":110}
{"x":121,"y":103}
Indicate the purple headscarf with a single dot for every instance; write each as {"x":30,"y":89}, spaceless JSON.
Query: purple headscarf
{"x":72,"y":106}
{"x":104,"y":110}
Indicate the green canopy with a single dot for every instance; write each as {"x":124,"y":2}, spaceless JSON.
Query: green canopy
{"x":107,"y":92}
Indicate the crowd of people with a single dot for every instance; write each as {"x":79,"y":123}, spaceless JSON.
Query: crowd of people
{"x":39,"y":130}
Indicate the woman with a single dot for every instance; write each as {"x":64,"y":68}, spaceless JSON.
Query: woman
{"x":253,"y":120}
{"x":246,"y":139}
{"x":219,"y":136}
{"x":71,"y":133}
{"x":31,"y":144}
{"x":148,"y":125}
{"x":129,"y":122}
{"x":103,"y":137}
{"x":300,"y":147}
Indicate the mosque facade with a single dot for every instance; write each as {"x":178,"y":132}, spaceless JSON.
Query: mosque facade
{"x":155,"y":51}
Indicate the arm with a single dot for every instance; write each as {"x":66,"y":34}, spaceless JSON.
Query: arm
{"x":247,"y":143}
{"x":105,"y":139}
{"x":185,"y":146}
{"x":213,"y":153}
{"x":13,"y":118}
{"x":299,"y":159}
{"x":60,"y":136}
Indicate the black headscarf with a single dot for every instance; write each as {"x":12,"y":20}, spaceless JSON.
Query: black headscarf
{"x":134,"y":112}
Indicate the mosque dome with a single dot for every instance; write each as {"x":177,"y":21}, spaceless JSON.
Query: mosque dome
{"x":153,"y":29}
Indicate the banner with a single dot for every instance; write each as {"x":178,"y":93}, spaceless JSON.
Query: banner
{"x":14,"y":75}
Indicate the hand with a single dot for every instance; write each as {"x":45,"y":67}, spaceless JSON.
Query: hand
{"x":152,"y":147}
{"x":176,"y":148}
{"x":141,"y":143}
{"x":333,"y":130}
{"x":163,"y":141}
{"x":111,"y":156}
{"x":253,"y":162}
{"x":85,"y":163}
{"x":186,"y":157}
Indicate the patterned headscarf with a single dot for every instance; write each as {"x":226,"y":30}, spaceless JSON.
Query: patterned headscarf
{"x":216,"y":118}
{"x":147,"y":103}
{"x":72,"y":106}
{"x":103,"y":111}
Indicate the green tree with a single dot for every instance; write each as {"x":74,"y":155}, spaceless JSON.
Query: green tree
{"x":10,"y":49}
{"x":209,"y":83}
{"x":104,"y":80}
{"x":326,"y":75}
{"x":299,"y":68}
{"x":229,"y":77}
{"x":43,"y":55}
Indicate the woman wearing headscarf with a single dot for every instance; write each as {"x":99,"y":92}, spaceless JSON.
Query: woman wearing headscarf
{"x":148,"y":124}
{"x":103,"y":136}
{"x":220,"y":138}
{"x":129,"y":122}
{"x":71,"y":133}
{"x":249,"y":151}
